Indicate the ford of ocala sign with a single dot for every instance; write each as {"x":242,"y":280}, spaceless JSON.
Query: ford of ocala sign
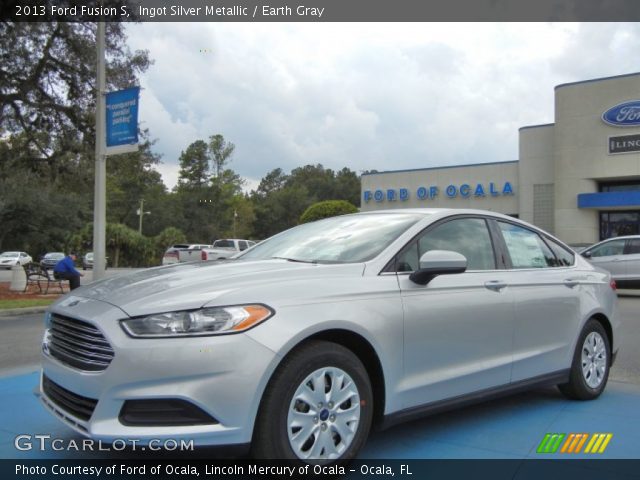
{"x":625,"y":114}
{"x":432,"y":192}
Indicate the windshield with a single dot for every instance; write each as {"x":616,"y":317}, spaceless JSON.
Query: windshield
{"x":54,"y":255}
{"x":344,"y":239}
{"x":10,"y":254}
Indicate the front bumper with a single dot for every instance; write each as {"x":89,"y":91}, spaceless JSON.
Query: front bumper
{"x":223,"y":375}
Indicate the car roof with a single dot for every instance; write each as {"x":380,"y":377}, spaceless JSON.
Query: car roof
{"x":621,"y":237}
{"x":443,"y":212}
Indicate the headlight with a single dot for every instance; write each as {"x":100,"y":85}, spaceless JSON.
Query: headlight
{"x":206,"y":321}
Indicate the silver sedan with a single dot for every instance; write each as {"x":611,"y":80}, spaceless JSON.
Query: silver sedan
{"x":304,"y":342}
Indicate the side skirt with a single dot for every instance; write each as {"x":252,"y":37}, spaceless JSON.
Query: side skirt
{"x":555,"y":378}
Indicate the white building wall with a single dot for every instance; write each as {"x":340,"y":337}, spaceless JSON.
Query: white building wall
{"x":581,"y":155}
{"x":535,"y":169}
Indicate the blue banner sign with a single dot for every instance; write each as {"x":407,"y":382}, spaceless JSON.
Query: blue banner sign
{"x":625,"y":114}
{"x":429,"y":193}
{"x":122,"y":117}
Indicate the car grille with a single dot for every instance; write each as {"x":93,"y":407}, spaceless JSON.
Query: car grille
{"x":72,"y":403}
{"x":78,"y":344}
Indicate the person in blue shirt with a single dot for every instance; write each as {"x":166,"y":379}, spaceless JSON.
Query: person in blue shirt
{"x":65,"y":269}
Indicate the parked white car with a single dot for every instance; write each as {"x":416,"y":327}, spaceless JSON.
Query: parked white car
{"x":9,"y":259}
{"x":309,"y":338}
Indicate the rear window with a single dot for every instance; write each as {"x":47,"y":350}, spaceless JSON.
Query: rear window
{"x":223,"y":244}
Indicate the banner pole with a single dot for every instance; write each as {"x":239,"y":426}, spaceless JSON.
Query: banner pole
{"x":100,"y":191}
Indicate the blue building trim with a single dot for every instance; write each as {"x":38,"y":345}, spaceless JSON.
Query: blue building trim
{"x":630,"y":198}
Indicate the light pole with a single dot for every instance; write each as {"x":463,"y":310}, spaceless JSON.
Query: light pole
{"x":141,"y":213}
{"x":100,"y":193}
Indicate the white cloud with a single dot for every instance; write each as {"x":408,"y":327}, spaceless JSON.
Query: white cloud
{"x":365,"y":96}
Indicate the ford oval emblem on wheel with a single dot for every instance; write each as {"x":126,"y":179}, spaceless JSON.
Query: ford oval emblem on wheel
{"x":625,"y":114}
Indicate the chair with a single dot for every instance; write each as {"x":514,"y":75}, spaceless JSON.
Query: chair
{"x":41,"y":277}
{"x":52,"y":280}
{"x":34,"y":276}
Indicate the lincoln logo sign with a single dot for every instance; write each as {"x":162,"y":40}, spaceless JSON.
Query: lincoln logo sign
{"x":625,"y":114}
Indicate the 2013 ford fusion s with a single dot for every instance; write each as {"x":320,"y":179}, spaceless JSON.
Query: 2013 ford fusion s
{"x":304,"y":342}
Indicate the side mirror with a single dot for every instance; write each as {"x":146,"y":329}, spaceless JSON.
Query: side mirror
{"x":438,"y":262}
{"x":586,"y":254}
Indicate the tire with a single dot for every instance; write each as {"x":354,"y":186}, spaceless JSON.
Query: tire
{"x":594,"y":351}
{"x":289,"y":426}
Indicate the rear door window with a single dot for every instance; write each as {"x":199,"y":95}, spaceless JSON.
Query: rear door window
{"x":526,"y":248}
{"x":608,"y":249}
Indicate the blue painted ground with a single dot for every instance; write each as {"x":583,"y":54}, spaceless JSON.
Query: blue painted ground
{"x":510,"y":428}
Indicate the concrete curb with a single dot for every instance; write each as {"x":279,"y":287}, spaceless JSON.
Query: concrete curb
{"x":11,"y":312}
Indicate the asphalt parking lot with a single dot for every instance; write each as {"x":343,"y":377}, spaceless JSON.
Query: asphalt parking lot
{"x":510,"y":428}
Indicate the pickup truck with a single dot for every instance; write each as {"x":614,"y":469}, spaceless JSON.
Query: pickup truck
{"x":225,"y":248}
{"x":184,"y":252}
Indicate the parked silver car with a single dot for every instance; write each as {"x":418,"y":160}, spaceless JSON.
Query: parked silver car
{"x":49,"y":261}
{"x":620,"y":256}
{"x":310,"y":337}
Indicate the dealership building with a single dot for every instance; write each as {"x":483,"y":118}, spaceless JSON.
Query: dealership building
{"x":578,"y":178}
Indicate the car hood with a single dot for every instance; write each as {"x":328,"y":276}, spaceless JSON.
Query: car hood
{"x":192,"y":285}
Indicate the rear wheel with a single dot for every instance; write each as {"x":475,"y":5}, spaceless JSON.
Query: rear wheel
{"x":317,"y":408}
{"x":591,"y":362}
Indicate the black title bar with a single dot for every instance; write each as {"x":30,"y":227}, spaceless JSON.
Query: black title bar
{"x":319,"y":10}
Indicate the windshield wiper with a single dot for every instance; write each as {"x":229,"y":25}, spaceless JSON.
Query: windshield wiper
{"x":295,"y":260}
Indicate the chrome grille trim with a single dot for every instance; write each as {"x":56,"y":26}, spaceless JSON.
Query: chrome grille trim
{"x":78,"y":344}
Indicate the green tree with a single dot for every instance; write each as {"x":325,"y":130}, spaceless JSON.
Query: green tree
{"x":194,"y":165}
{"x":272,"y":182}
{"x":47,"y":118}
{"x":130,"y":178}
{"x":280,"y":199}
{"x":167,"y":237}
{"x":47,"y":85}
{"x":220,"y":151}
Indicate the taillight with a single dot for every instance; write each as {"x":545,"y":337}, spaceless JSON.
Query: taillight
{"x":203,"y":256}
{"x":612,"y":284}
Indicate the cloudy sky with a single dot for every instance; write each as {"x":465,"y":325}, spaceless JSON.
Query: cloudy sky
{"x":366,"y":96}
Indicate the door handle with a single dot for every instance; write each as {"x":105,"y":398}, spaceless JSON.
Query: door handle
{"x":496,"y":285}
{"x":571,"y":282}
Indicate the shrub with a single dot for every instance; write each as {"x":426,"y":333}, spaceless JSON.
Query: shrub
{"x":328,"y":208}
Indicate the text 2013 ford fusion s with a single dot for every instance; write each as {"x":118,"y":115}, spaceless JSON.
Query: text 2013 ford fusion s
{"x":303,"y":342}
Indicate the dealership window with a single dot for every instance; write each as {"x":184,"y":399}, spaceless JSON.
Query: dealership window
{"x":629,"y":185}
{"x":619,"y":223}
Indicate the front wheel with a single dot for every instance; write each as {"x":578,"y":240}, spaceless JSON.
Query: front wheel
{"x":317,"y":408}
{"x":591,"y":363}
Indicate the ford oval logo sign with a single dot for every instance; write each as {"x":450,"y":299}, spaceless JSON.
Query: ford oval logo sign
{"x":625,"y":114}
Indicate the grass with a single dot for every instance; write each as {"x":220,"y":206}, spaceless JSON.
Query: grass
{"x":25,"y":302}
